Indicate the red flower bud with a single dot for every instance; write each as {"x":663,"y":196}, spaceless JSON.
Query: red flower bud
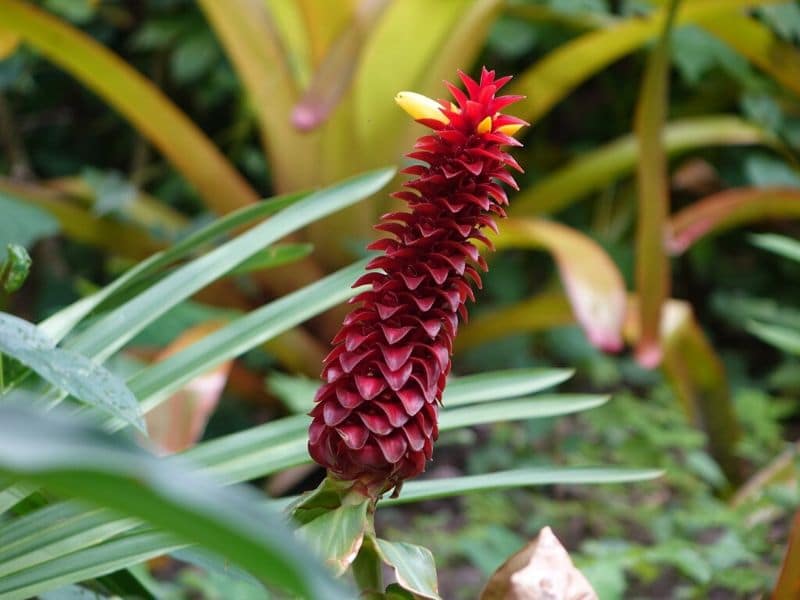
{"x":375,"y":418}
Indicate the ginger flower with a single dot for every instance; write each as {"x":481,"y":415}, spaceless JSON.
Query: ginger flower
{"x":375,"y":417}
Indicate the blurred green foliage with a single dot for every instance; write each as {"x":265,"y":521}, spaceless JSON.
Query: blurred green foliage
{"x":690,"y":535}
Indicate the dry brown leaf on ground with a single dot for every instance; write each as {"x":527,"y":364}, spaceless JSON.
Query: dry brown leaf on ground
{"x":542,"y":570}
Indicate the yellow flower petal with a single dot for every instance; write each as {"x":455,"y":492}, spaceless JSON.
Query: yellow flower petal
{"x":509,"y":129}
{"x":485,"y":126}
{"x":420,"y":107}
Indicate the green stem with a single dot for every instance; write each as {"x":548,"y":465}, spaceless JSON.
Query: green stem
{"x":367,"y":567}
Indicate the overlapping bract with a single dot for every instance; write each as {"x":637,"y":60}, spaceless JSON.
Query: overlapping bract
{"x":375,"y":418}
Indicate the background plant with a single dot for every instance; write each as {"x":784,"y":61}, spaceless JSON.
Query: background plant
{"x":117,"y":193}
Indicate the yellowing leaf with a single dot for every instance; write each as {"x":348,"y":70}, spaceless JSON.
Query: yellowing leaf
{"x":652,"y":266}
{"x":9,"y":42}
{"x":598,"y":168}
{"x":553,"y":78}
{"x":729,"y":209}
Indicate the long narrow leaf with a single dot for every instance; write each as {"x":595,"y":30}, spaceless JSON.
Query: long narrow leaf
{"x":652,"y":265}
{"x":112,"y":331}
{"x":598,"y":168}
{"x":68,"y":371}
{"x":728,"y":209}
{"x":78,"y":461}
{"x":416,"y":491}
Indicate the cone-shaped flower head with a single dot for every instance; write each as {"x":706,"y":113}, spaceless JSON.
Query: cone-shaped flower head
{"x":375,"y":418}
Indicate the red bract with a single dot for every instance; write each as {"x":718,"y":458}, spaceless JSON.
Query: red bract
{"x":375,"y":418}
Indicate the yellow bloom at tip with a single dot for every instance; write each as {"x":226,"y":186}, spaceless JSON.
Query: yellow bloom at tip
{"x":509,"y":129}
{"x":420,"y":107}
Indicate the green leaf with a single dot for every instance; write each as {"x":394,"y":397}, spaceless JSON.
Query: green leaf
{"x":535,"y":407}
{"x":69,"y":371}
{"x":73,"y":459}
{"x":58,"y":529}
{"x":23,"y":224}
{"x":414,"y":567}
{"x":62,"y":322}
{"x":497,"y":385}
{"x":14,"y":270}
{"x":778,"y":244}
{"x":593,"y":283}
{"x":786,"y":339}
{"x":275,"y":256}
{"x":85,"y":564}
{"x":113,"y":330}
{"x":336,"y":535}
{"x":416,"y":491}
{"x":155,"y":383}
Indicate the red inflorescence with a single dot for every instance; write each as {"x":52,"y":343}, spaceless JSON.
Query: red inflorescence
{"x":375,"y":418}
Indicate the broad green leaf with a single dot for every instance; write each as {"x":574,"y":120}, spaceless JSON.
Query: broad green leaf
{"x":15,"y":268}
{"x":22,"y":223}
{"x":594,"y":170}
{"x":113,"y":330}
{"x":274,"y":256}
{"x":555,"y":76}
{"x":416,"y":491}
{"x":75,"y":460}
{"x":72,"y":592}
{"x":536,"y":407}
{"x":652,"y":265}
{"x":137,"y":99}
{"x":728,"y":209}
{"x":68,"y":371}
{"x":336,"y":535}
{"x":592,"y":281}
{"x":414,"y":567}
{"x":287,"y":18}
{"x":784,"y":338}
{"x":778,"y":244}
{"x":10,"y":495}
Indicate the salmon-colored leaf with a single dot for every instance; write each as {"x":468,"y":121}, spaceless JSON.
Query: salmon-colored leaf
{"x":592,"y":281}
{"x":729,"y":209}
{"x":178,"y":423}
